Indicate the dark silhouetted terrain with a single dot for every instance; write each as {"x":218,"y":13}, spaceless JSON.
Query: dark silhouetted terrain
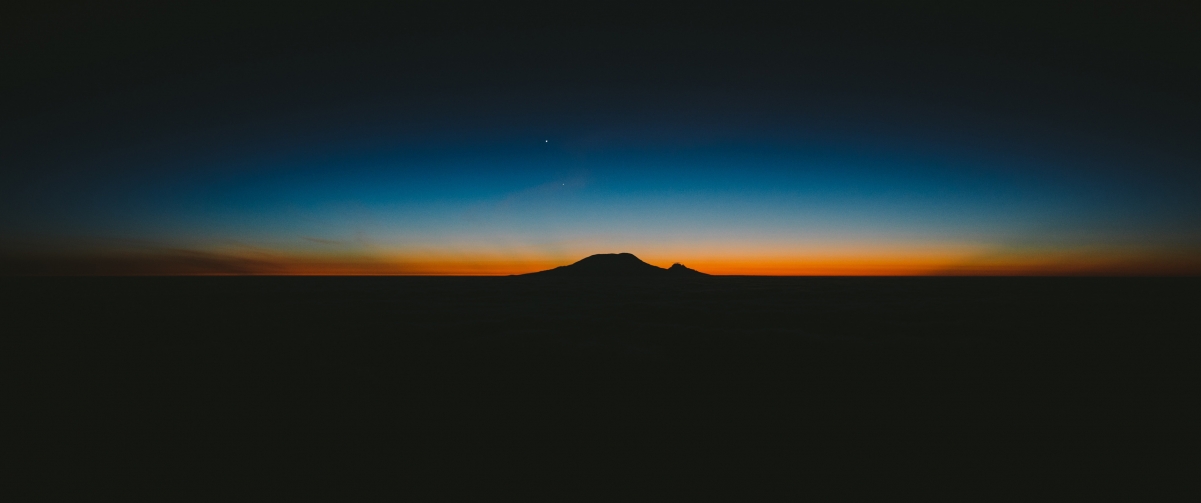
{"x":544,"y":387}
{"x":609,"y":265}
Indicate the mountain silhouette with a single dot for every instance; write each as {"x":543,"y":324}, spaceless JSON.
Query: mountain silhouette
{"x":624,"y":265}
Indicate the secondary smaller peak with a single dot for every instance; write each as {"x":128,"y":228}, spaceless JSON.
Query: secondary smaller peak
{"x":678,"y":268}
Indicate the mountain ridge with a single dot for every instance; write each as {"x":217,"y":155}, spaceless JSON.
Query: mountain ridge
{"x":616,"y":265}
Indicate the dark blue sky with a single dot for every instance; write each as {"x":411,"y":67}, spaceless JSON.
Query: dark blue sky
{"x":876,"y":138}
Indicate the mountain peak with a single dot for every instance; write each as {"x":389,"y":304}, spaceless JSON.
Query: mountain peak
{"x":616,"y":265}
{"x":678,"y":268}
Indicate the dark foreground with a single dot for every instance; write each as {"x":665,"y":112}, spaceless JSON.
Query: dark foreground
{"x":436,"y":388}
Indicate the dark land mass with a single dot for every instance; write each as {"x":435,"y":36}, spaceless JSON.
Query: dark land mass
{"x":544,"y":387}
{"x":616,"y":265}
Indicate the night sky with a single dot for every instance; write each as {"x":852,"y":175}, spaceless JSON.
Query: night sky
{"x":877,"y":138}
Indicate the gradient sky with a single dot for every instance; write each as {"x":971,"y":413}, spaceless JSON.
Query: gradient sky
{"x":875,"y":139}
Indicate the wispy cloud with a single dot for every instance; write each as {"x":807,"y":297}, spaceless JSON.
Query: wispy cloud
{"x":147,"y":261}
{"x":559,"y":187}
{"x":322,"y":241}
{"x":546,"y":190}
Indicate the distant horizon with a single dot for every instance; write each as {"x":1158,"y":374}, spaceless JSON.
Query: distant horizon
{"x":191,"y":264}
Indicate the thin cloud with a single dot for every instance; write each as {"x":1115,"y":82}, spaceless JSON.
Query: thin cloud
{"x":323,"y":241}
{"x":545,"y":190}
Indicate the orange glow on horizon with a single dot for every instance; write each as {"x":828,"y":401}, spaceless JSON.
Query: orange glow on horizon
{"x":913,"y":262}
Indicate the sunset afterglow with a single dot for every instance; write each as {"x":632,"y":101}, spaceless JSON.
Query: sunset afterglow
{"x":749,"y":160}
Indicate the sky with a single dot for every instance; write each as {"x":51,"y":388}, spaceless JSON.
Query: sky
{"x":874,"y":138}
